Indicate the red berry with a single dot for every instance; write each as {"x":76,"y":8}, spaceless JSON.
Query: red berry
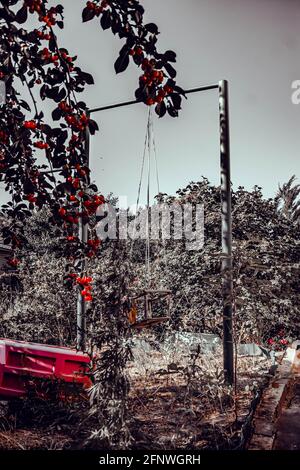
{"x":168,"y":89}
{"x":41,"y":145}
{"x":91,"y":5}
{"x":138,"y":51}
{"x":31,"y":198}
{"x":13,"y":262}
{"x":30,"y":125}
{"x":62,"y":211}
{"x":88,"y":298}
{"x":150,"y":101}
{"x":144,"y":78}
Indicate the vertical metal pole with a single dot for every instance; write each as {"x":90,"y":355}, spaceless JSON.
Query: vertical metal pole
{"x":226,"y":268}
{"x":2,"y":92}
{"x":83,"y":237}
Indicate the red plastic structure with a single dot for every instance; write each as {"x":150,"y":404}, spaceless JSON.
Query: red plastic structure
{"x":22,"y":362}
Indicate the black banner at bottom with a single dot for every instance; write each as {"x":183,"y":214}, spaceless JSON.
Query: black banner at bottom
{"x":133,"y":460}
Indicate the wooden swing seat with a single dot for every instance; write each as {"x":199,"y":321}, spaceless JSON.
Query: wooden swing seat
{"x":150,"y":296}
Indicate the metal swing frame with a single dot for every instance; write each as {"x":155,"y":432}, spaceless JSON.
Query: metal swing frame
{"x":226,"y":225}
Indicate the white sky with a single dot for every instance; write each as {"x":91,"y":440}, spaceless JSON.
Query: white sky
{"x":254,"y":44}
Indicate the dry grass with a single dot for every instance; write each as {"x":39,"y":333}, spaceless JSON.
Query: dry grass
{"x":180,"y":401}
{"x":177,"y":400}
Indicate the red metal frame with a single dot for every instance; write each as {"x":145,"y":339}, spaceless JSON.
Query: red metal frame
{"x":21,"y":362}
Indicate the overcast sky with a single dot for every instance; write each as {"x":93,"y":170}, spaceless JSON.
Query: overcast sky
{"x":253,"y":44}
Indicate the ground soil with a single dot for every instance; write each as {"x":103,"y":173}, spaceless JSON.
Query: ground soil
{"x":169,"y":408}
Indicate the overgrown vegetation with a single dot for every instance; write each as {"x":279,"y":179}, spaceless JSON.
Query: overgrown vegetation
{"x":266,"y":299}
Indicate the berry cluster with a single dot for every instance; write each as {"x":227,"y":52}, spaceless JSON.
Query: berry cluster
{"x":50,"y":17}
{"x":278,"y":341}
{"x":13,"y":262}
{"x":31,"y":198}
{"x":32,"y":125}
{"x":37,"y":6}
{"x":71,"y":238}
{"x":74,"y":182}
{"x":96,"y":8}
{"x":41,"y":145}
{"x":41,"y":35}
{"x":66,"y":57}
{"x":34,"y":5}
{"x":70,"y":217}
{"x":93,"y":247}
{"x":48,"y":57}
{"x":85,"y":283}
{"x":77,"y":123}
{"x":2,"y":75}
{"x":152,"y":78}
{"x":93,"y":203}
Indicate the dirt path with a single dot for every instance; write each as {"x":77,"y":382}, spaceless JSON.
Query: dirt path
{"x":288,"y":424}
{"x":276,"y":424}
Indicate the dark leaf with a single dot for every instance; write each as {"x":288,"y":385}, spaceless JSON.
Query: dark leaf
{"x":138,"y":16}
{"x":176,"y":99}
{"x":106,"y":20}
{"x":130,"y":41}
{"x":152,"y":28}
{"x":87,"y":77}
{"x":81,"y":105}
{"x":43,"y":92}
{"x":170,"y":56}
{"x":180,"y":90}
{"x":115,"y":25}
{"x":170,"y":70}
{"x":56,"y":114}
{"x":87,"y":14}
{"x":171,"y":83}
{"x":59,"y":9}
{"x":24,"y":105}
{"x":137,"y":59}
{"x":28,"y":186}
{"x":39,"y":116}
{"x":172,"y":111}
{"x":93,"y":126}
{"x":122,"y":63}
{"x":22,"y":14}
{"x":52,"y":44}
{"x":161,"y":109}
{"x":62,"y":94}
{"x":140,"y":9}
